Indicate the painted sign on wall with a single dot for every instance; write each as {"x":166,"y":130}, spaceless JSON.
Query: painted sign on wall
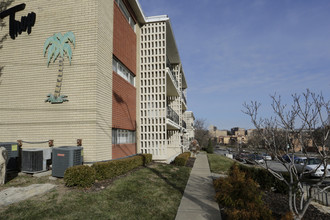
{"x":58,"y":45}
{"x":17,"y":27}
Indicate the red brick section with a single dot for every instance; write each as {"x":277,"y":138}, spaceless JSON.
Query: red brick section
{"x":124,"y":40}
{"x":123,"y":104}
{"x":123,"y":150}
{"x":123,"y":93}
{"x":123,"y":113}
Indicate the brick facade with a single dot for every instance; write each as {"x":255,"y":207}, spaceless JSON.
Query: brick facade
{"x":123,"y":104}
{"x":124,"y":40}
{"x":99,"y":99}
{"x":123,"y":94}
{"x":123,"y":150}
{"x":26,"y":79}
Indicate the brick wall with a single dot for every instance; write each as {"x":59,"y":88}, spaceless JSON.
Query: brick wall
{"x":124,"y":40}
{"x":26,"y":79}
{"x":123,"y":150}
{"x":124,"y":94}
{"x":123,"y":104}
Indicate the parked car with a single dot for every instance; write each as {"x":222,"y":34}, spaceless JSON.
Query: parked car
{"x":266,"y":157}
{"x":255,"y":159}
{"x":241,"y":157}
{"x":288,"y":157}
{"x":311,"y":167}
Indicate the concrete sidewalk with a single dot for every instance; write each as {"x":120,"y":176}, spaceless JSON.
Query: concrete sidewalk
{"x":198,"y":200}
{"x":17,"y":194}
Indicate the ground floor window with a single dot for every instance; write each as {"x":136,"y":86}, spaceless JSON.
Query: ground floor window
{"x":121,"y":136}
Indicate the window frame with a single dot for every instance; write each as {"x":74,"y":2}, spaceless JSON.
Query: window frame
{"x":123,"y":71}
{"x":126,"y":13}
{"x":123,"y":136}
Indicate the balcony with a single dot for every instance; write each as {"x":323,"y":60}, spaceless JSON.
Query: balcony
{"x":184,"y":124}
{"x":171,"y":81}
{"x":172,"y":119}
{"x":183,"y":97}
{"x":173,"y":77}
{"x":171,"y":84}
{"x":183,"y":101}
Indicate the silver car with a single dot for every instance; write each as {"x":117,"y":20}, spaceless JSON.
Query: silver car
{"x":311,"y":166}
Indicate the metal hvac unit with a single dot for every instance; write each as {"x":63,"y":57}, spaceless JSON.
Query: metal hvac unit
{"x":13,"y":155}
{"x":65,"y":157}
{"x":34,"y":160}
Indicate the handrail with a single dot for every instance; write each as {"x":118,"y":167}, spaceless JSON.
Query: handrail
{"x":171,"y":114}
{"x":184,"y":124}
{"x":184,"y":97}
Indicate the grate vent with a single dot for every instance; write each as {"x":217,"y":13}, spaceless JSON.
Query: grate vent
{"x":32,"y":160}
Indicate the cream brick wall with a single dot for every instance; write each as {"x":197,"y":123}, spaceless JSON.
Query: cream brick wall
{"x":103,"y":146}
{"x":26,"y":79}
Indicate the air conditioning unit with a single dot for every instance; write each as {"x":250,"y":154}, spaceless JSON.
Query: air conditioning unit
{"x":34,"y":160}
{"x":13,"y":155}
{"x":65,"y":157}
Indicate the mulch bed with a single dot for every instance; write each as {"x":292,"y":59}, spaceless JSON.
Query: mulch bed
{"x":278,"y":204}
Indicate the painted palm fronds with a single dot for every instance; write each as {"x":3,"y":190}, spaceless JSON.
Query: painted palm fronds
{"x":58,"y":45}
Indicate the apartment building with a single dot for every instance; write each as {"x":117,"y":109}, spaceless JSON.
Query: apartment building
{"x":93,"y":76}
{"x":162,"y":91}
{"x":98,"y":76}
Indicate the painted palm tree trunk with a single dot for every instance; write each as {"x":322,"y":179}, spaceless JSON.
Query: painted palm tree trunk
{"x":58,"y":87}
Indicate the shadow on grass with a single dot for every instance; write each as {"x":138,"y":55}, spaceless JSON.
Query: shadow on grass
{"x":198,"y":191}
{"x":160,"y":175}
{"x":11,"y":175}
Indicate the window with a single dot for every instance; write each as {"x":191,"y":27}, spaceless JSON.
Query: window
{"x":126,"y":13}
{"x":121,"y":136}
{"x":119,"y":68}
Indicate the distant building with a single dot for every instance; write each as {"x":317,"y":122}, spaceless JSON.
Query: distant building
{"x":235,"y":135}
{"x":249,"y":132}
{"x":222,"y":133}
{"x":237,"y":131}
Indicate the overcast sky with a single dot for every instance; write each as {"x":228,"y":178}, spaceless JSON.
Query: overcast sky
{"x":236,"y":51}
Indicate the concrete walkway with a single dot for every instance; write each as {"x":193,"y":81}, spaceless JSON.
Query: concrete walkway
{"x":198,"y":200}
{"x":17,"y":194}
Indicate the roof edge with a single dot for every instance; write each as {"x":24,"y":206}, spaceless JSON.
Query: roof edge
{"x":138,"y":10}
{"x":157,"y":18}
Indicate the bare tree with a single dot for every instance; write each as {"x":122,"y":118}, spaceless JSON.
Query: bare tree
{"x":202,"y":134}
{"x":3,"y":6}
{"x":255,"y":140}
{"x":302,"y":126}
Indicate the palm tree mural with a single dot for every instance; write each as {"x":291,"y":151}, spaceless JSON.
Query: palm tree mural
{"x":58,"y":45}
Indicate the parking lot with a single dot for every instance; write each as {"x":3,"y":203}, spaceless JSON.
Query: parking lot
{"x":274,"y":165}
{"x":322,"y":198}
